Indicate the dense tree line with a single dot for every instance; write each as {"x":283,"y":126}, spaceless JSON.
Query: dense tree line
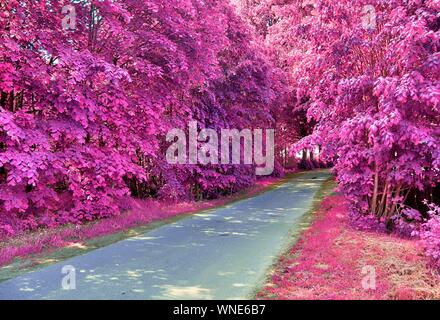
{"x":89,"y":91}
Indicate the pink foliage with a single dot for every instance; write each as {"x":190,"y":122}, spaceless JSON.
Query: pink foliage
{"x":430,"y":234}
{"x":84,"y":112}
{"x":371,"y":94}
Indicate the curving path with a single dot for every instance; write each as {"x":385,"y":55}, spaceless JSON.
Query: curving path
{"x":219,"y":254}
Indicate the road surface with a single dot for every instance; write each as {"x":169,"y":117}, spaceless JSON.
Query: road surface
{"x":224,"y":253}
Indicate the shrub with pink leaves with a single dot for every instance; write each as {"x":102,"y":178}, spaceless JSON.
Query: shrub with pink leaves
{"x":430,"y":234}
{"x":408,"y":222}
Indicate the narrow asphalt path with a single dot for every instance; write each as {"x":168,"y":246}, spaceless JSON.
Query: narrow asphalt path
{"x":219,"y":254}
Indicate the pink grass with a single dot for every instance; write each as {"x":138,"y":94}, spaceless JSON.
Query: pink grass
{"x":328,"y":260}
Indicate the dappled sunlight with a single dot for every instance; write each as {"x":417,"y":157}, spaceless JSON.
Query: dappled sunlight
{"x":77,"y":245}
{"x":138,"y":290}
{"x":97,"y":278}
{"x":212,"y":232}
{"x":27,"y":289}
{"x":143,"y":238}
{"x":263,"y":220}
{"x":240,"y":285}
{"x":134,"y":273}
{"x":210,"y":215}
{"x":47,"y":261}
{"x":185,"y":293}
{"x":224,"y":274}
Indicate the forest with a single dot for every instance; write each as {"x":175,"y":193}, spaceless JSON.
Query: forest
{"x":90,"y":89}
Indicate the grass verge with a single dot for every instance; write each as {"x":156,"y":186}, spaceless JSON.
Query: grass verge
{"x":334,"y":261}
{"x":327,"y":188}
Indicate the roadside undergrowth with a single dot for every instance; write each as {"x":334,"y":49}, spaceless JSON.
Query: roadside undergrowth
{"x":333,"y":260}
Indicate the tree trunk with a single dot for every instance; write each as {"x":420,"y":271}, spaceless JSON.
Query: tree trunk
{"x":376,"y":187}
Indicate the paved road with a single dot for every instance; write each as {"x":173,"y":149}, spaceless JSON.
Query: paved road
{"x":219,"y":254}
